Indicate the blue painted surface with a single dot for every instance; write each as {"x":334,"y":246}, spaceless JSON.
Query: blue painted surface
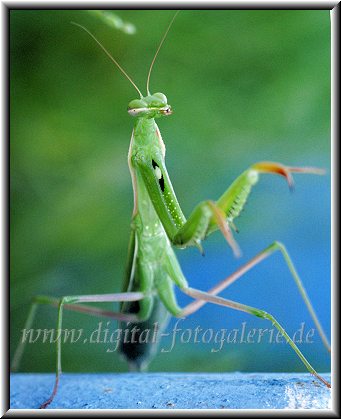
{"x":172,"y":391}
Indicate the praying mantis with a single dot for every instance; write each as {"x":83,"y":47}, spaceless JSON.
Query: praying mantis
{"x":158,"y":224}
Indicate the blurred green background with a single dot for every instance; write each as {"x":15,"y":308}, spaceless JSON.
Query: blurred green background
{"x":245,"y":86}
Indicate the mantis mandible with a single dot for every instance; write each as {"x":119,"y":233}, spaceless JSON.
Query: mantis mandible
{"x":157,"y":225}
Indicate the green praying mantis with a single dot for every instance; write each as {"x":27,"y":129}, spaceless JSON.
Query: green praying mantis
{"x":158,"y":224}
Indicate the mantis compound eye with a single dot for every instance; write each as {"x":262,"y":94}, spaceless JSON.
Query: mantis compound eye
{"x":162,"y":98}
{"x":137,"y":107}
{"x":137,"y":104}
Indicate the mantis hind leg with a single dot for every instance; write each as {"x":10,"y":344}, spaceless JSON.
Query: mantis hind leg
{"x":275,"y":246}
{"x":69,"y":302}
{"x":201,"y":298}
{"x":204,"y":296}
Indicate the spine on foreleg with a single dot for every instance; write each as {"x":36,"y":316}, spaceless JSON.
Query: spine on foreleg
{"x":234,"y":199}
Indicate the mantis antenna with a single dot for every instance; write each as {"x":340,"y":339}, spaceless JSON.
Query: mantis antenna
{"x":158,"y":50}
{"x":109,"y":55}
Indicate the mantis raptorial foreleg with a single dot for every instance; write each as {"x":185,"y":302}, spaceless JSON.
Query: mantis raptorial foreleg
{"x":194,"y":230}
{"x":206,"y":297}
{"x":276,"y":246}
{"x":68,"y":302}
{"x":208,"y":215}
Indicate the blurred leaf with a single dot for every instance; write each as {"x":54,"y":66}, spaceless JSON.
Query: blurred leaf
{"x":113,"y":20}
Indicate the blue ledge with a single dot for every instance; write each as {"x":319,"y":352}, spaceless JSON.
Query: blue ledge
{"x":171,"y":391}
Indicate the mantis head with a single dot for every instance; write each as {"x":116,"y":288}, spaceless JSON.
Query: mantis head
{"x":151,"y":106}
